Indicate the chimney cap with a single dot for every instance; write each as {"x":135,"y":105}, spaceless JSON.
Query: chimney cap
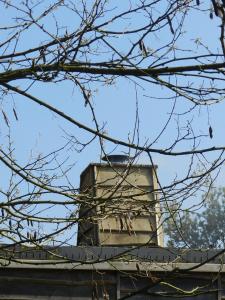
{"x":117,"y":158}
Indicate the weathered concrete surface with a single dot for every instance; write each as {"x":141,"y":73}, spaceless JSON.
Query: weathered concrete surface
{"x":120,"y":208}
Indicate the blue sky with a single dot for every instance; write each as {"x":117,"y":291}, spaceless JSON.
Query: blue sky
{"x":39,"y":131}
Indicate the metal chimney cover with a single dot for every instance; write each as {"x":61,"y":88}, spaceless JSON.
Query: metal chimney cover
{"x":117,"y":158}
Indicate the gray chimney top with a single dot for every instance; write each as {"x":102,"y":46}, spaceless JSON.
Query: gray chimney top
{"x":117,"y":158}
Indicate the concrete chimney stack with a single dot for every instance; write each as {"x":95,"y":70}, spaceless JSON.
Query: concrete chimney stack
{"x":120,"y":207}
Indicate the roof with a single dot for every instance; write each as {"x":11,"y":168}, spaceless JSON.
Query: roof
{"x":93,"y":253}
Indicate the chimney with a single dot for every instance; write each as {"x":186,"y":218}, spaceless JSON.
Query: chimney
{"x":119,"y":206}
